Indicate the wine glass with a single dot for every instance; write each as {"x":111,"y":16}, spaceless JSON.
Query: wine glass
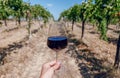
{"x":57,"y":39}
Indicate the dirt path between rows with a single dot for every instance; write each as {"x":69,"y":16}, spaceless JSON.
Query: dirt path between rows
{"x":85,"y":59}
{"x":26,"y":61}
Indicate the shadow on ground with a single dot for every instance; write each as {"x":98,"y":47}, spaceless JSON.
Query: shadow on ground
{"x":11,"y":47}
{"x":112,"y":40}
{"x":94,"y":32}
{"x":89,"y":65}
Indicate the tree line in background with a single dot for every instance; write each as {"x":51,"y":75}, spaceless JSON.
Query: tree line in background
{"x":19,"y":10}
{"x":100,"y":13}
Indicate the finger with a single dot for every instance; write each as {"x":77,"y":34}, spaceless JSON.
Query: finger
{"x":49,"y":64}
{"x":57,"y":66}
{"x":52,"y":63}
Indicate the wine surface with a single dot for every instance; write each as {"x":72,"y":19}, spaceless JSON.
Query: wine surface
{"x":57,"y":42}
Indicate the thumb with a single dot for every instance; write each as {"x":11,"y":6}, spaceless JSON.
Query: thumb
{"x":57,"y":66}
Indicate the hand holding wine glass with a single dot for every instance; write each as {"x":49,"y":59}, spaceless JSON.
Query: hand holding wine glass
{"x":57,"y":41}
{"x":49,"y":68}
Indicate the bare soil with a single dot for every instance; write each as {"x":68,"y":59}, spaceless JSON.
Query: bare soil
{"x":23,"y":57}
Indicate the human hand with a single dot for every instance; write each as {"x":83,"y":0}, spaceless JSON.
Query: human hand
{"x":48,"y":69}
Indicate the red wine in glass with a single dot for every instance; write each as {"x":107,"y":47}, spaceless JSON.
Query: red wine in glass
{"x":57,"y":43}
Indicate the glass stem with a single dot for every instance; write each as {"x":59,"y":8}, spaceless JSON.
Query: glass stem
{"x":56,"y":56}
